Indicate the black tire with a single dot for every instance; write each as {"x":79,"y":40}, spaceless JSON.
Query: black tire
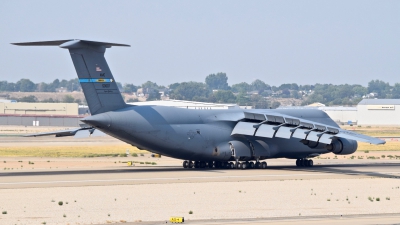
{"x":191,"y":164}
{"x":210,"y":165}
{"x":238,"y":165}
{"x":264,"y":165}
{"x":297,"y":162}
{"x":231,"y":165}
{"x":258,"y":165}
{"x":251,"y":165}
{"x":197,"y":164}
{"x":202,"y":164}
{"x":244,"y":165}
{"x":310,"y":163}
{"x":185,"y":164}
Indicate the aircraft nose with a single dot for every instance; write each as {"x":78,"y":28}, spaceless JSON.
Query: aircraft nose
{"x":99,"y":120}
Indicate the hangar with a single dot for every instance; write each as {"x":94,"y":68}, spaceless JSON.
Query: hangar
{"x":23,"y":108}
{"x":378,"y":112}
{"x":385,"y":112}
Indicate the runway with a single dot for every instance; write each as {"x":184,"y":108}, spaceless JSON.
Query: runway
{"x":175,"y":174}
{"x":331,"y":192}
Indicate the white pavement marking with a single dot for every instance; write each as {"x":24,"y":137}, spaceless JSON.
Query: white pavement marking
{"x":161,"y":178}
{"x":188,"y":178}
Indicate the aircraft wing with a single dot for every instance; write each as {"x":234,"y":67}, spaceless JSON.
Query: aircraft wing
{"x":81,"y":132}
{"x":272,"y":125}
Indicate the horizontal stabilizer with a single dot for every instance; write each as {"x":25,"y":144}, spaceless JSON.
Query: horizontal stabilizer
{"x":61,"y":42}
{"x":59,"y":133}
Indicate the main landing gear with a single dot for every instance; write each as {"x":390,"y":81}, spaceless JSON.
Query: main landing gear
{"x":224,"y":165}
{"x":305,"y":162}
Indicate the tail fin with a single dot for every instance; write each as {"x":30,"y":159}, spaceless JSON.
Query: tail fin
{"x":98,"y":84}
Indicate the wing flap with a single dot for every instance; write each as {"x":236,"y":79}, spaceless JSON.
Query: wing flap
{"x":244,"y":129}
{"x":284,"y":126}
{"x":265,"y":130}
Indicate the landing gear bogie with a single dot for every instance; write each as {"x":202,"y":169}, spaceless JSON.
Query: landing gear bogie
{"x":304,"y":163}
{"x":187,"y":164}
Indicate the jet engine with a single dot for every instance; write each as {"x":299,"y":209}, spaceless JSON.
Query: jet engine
{"x":342,"y":146}
{"x":313,"y":144}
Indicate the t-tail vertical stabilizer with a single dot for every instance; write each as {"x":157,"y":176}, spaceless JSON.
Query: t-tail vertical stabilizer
{"x":98,"y":84}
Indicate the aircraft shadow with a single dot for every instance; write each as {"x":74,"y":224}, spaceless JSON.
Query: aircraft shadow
{"x":331,"y":168}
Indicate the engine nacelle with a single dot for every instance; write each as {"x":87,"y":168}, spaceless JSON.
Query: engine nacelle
{"x":342,"y":146}
{"x":313,"y":144}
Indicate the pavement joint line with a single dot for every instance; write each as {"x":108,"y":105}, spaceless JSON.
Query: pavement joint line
{"x":160,"y":178}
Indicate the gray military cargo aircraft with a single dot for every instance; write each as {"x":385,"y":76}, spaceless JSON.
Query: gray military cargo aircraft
{"x":202,"y":138}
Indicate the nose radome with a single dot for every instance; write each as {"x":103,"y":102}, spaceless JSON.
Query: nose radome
{"x":99,"y":120}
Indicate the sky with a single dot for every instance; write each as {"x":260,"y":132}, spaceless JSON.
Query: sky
{"x":304,"y":42}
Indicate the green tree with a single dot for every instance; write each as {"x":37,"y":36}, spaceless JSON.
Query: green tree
{"x":217,"y":81}
{"x":73,"y":85}
{"x":396,"y":91}
{"x":68,"y":99}
{"x":360,"y":90}
{"x":223,"y":96}
{"x":150,"y":84}
{"x":173,"y":86}
{"x":190,"y":90}
{"x":25,"y":85}
{"x":154,"y":95}
{"x":242,"y":99}
{"x":259,"y":102}
{"x":129,"y":88}
{"x":29,"y":98}
{"x":380,"y":87}
{"x":259,"y":85}
{"x":241,"y":87}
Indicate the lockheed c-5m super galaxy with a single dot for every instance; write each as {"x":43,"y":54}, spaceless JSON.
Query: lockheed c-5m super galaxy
{"x":236,"y":138}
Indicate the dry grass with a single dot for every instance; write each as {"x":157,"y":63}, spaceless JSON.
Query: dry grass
{"x":68,"y":151}
{"x":375,"y":131}
{"x":389,"y":146}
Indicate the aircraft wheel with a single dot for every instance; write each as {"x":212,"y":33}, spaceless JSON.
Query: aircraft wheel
{"x":197,"y":164}
{"x":223,"y":165}
{"x":310,"y":163}
{"x":202,"y":164}
{"x":297,"y":162}
{"x":210,"y":164}
{"x":231,"y":165}
{"x":185,"y":164}
{"x":258,"y":165}
{"x":227,"y":165}
{"x":191,"y":164}
{"x":264,"y":165}
{"x":238,"y":165}
{"x":251,"y":165}
{"x":244,"y":165}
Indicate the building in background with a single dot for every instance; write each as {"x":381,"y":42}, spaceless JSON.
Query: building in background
{"x":70,"y":109}
{"x":378,"y":112}
{"x":39,"y":114}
